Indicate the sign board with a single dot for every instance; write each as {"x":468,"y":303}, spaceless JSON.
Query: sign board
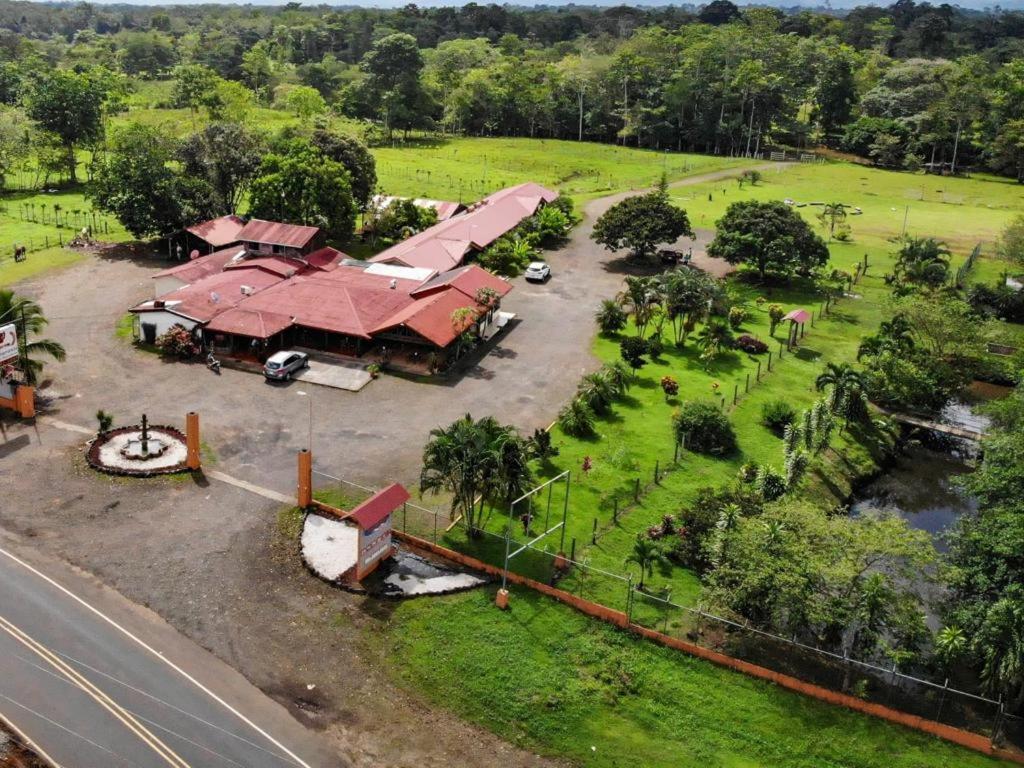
{"x":8,"y":343}
{"x":374,"y":545}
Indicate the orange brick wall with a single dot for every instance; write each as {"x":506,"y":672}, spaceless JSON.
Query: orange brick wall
{"x":959,"y":736}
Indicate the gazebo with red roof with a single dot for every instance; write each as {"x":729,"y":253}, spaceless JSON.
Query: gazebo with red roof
{"x":798,"y":317}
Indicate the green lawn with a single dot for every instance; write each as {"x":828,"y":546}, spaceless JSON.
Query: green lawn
{"x":637,"y":434}
{"x":549,"y":679}
{"x":466,"y":169}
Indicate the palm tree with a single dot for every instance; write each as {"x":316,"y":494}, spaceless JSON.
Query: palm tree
{"x":923,"y":260}
{"x":29,"y":316}
{"x":618,"y":375}
{"x":950,"y":645}
{"x":728,"y":519}
{"x":712,"y":339}
{"x":831,"y":215}
{"x":596,"y":391}
{"x":646,"y":554}
{"x":641,"y":295}
{"x":461,"y":459}
{"x":843,"y":380}
{"x":611,"y":318}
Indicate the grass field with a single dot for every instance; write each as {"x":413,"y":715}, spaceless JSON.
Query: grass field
{"x":551,"y":680}
{"x":28,"y":219}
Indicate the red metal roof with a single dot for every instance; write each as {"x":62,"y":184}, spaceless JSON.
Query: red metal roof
{"x":255,"y":323}
{"x":204,"y":266}
{"x":798,"y":316}
{"x":275,"y":265}
{"x":444,"y":245}
{"x":209,"y":297}
{"x":276,"y":233}
{"x":376,"y":509}
{"x":325,"y":258}
{"x":218,"y":232}
{"x":468,"y":279}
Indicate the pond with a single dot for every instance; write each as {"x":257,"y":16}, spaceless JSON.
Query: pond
{"x":919,"y":488}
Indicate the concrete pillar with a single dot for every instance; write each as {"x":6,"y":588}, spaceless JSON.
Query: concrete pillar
{"x":25,"y":401}
{"x":192,"y":460}
{"x":304,"y":494}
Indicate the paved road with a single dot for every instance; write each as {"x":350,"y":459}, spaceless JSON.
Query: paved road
{"x":91,"y":693}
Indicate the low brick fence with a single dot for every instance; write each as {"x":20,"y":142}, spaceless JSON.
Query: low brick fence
{"x":957,"y":736}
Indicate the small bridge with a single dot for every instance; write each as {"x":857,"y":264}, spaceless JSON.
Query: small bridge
{"x":967,"y":432}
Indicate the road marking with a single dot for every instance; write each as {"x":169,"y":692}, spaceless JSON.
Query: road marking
{"x":49,"y":420}
{"x":251,"y":487}
{"x":127,"y":633}
{"x":9,"y":724}
{"x":86,"y":686}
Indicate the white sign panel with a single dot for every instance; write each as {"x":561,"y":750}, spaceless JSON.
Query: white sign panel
{"x":8,"y":343}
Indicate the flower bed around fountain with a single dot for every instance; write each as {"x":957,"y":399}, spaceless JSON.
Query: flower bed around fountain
{"x":139,"y":451}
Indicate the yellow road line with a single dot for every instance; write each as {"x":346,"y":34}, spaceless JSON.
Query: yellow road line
{"x":83,"y":683}
{"x":28,"y":742}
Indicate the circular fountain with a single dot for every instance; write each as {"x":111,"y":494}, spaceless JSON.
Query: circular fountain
{"x":141,"y":450}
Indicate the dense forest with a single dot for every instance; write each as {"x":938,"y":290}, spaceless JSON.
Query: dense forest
{"x":906,"y":86}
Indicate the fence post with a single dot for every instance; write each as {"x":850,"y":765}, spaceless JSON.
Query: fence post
{"x":615,"y":510}
{"x":572,"y":550}
{"x":769,"y":365}
{"x":657,"y":466}
{"x":435,"y":526}
{"x":629,"y":600}
{"x":759,"y":368}
{"x":735,"y":394}
{"x":636,"y":490}
{"x":405,"y":517}
{"x":675,"y":455}
{"x":593,"y":535}
{"x":747,"y":387}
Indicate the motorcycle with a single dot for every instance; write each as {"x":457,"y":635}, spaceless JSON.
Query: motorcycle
{"x":213,"y":364}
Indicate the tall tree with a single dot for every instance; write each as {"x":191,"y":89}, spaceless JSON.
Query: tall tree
{"x":769,"y":236}
{"x":641,"y":223}
{"x":301,"y":186}
{"x":392,"y":84}
{"x":70,"y":105}
{"x":228,"y":157}
{"x":357,"y":159}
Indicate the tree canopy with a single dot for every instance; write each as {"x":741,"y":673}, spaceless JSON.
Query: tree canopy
{"x":770,"y":237}
{"x":641,"y":223}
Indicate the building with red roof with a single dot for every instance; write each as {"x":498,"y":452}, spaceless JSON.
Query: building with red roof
{"x":213,"y":235}
{"x":446,"y":245}
{"x":281,"y":287}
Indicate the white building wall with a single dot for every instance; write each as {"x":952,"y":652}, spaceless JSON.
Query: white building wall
{"x":164,"y":321}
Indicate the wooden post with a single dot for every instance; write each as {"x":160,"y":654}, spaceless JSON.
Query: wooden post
{"x":192,"y":460}
{"x":593,"y":534}
{"x":615,"y":510}
{"x":657,"y":466}
{"x":769,"y":366}
{"x":304,"y":495}
{"x":736,"y":394}
{"x":636,"y":490}
{"x":759,"y":366}
{"x":747,"y":389}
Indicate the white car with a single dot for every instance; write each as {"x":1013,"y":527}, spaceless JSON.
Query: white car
{"x":281,"y":366}
{"x":537,"y":272}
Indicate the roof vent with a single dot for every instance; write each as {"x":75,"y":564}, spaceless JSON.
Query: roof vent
{"x":394,"y":284}
{"x":158,"y":304}
{"x":246,"y":290}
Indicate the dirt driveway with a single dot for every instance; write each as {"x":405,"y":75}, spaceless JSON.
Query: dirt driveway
{"x":208,"y":557}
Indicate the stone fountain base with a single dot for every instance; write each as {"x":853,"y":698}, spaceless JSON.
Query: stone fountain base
{"x":121,"y":452}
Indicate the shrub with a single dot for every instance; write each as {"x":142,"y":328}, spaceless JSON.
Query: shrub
{"x":669,"y":386}
{"x":770,"y":484}
{"x":540,"y":446}
{"x":611,"y":318}
{"x":737,"y":316}
{"x":748,"y":472}
{"x":577,"y":419}
{"x":633,"y":350}
{"x":105,"y":421}
{"x":775,"y":314}
{"x":177,"y":341}
{"x":777,"y":415}
{"x":751,"y":345}
{"x":655,"y":346}
{"x":702,"y":427}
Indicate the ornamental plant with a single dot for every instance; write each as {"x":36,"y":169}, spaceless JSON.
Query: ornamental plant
{"x":669,"y":386}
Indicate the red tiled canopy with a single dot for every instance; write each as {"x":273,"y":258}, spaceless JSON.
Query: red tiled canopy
{"x":798,"y":316}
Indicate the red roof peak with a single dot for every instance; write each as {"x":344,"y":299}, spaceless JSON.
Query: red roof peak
{"x":375,"y":509}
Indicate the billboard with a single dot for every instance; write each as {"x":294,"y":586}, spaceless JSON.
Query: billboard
{"x":8,"y":343}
